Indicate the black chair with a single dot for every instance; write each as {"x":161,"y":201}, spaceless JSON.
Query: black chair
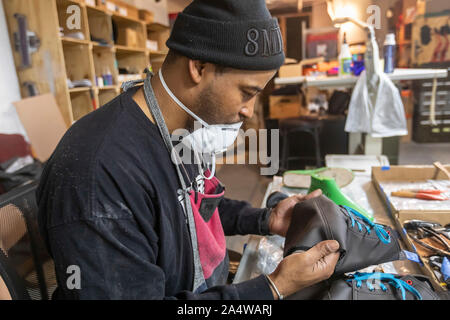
{"x":310,"y":127}
{"x":12,"y":287}
{"x":21,"y":242}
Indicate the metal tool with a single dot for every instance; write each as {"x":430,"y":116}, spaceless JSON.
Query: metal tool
{"x":418,"y":229}
{"x":26,"y":42}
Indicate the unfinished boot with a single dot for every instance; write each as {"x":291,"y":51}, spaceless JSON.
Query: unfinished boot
{"x":362,"y":242}
{"x":372,"y":286}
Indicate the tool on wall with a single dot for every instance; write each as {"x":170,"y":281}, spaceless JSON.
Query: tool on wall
{"x":31,"y":88}
{"x":26,"y":42}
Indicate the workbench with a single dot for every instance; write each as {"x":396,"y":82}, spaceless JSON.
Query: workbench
{"x":372,"y":145}
{"x":360,"y":190}
{"x":350,"y":81}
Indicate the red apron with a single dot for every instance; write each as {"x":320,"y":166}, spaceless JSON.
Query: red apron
{"x":210,"y":235}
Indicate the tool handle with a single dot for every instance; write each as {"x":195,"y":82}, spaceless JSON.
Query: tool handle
{"x":403,"y":194}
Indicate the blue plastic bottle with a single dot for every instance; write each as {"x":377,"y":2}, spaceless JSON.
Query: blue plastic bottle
{"x":389,"y":53}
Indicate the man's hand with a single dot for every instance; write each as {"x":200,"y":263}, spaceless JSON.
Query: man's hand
{"x":280,"y":218}
{"x":301,"y":270}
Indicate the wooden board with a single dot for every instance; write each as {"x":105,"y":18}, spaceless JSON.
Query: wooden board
{"x":77,"y":59}
{"x":59,"y":58}
{"x":47,"y":72}
{"x":100,"y":25}
{"x":43,"y":122}
{"x":81,"y":104}
{"x":430,"y":43}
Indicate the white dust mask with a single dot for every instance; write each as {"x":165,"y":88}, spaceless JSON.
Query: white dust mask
{"x":207,"y":139}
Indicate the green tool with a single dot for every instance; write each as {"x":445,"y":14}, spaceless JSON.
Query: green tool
{"x":302,"y":178}
{"x":333,"y":192}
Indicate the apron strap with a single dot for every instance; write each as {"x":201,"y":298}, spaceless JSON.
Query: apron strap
{"x":199,"y":279}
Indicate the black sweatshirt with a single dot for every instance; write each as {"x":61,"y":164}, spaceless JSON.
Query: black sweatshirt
{"x":108,"y":204}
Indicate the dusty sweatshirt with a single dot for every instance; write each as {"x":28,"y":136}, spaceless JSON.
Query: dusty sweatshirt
{"x":108,"y":206}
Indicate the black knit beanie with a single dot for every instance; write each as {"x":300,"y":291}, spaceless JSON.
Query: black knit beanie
{"x":240,"y":34}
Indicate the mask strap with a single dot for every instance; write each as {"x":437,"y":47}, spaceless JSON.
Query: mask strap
{"x":177,"y":101}
{"x":213,"y":166}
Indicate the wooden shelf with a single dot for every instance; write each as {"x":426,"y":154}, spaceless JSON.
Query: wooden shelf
{"x":98,"y":10}
{"x":156,"y":27}
{"x":74,"y":59}
{"x":98,"y":46}
{"x":158,"y":53}
{"x":81,"y":89}
{"x":114,"y":87}
{"x":119,"y":17}
{"x":124,"y":49}
{"x":73,"y":41}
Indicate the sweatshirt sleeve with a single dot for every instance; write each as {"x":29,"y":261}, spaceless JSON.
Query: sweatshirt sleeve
{"x":116,"y":262}
{"x":240,"y":218}
{"x":117,"y":251}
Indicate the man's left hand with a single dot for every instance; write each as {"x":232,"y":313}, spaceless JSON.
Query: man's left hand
{"x":281,"y":215}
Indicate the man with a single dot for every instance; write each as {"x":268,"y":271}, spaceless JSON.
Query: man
{"x":110,"y":198}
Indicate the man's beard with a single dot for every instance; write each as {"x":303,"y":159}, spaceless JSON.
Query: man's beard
{"x":207,"y":108}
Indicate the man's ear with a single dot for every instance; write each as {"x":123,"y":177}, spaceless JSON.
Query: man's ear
{"x":196,"y":70}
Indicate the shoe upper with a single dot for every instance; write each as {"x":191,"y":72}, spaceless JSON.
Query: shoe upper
{"x":361,"y":245}
{"x":351,"y":289}
{"x":379,"y":286}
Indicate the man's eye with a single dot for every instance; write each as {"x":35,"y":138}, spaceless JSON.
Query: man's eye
{"x":247,"y":95}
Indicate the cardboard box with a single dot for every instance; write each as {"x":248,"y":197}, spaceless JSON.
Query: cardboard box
{"x":101,"y":4}
{"x":152,"y":45}
{"x":290,"y":70}
{"x":43,"y":122}
{"x":122,"y":8}
{"x":91,"y":3}
{"x":283,"y":107}
{"x":128,"y":37}
{"x":146,"y":16}
{"x":413,"y":174}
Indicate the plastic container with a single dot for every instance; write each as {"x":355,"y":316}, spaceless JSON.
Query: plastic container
{"x":389,"y":53}
{"x":345,"y":59}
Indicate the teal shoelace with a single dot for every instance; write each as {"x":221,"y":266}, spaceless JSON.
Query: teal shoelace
{"x":390,"y":278}
{"x":382,"y":234}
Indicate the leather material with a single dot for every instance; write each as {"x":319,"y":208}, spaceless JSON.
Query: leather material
{"x":340,"y":289}
{"x":320,"y":219}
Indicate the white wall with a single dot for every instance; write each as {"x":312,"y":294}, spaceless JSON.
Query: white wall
{"x":9,"y":85}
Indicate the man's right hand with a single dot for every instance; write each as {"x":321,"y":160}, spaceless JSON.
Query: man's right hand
{"x":301,"y":270}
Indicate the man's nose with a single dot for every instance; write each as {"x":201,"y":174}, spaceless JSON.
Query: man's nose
{"x":248,"y":110}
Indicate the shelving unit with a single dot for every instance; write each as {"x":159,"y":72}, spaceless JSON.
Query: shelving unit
{"x":106,"y":42}
{"x":160,"y":34}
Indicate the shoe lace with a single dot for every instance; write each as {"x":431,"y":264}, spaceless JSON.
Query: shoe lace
{"x":382,"y":234}
{"x":390,"y":278}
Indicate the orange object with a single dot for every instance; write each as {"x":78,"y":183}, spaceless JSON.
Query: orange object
{"x":418,"y":195}
{"x":428,"y":191}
